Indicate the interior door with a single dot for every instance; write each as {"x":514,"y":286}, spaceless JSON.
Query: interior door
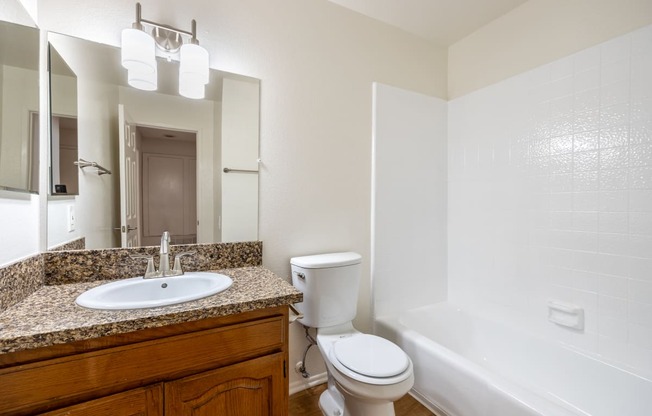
{"x":129,"y":181}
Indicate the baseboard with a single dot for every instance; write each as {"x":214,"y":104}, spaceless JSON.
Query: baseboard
{"x":306,"y":383}
{"x":427,"y":404}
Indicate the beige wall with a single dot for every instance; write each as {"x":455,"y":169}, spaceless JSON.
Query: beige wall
{"x":538,"y":32}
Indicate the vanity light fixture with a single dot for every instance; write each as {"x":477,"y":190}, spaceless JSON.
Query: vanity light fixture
{"x":139,"y":56}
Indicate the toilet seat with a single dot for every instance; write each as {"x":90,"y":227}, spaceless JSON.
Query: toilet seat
{"x":370,"y":359}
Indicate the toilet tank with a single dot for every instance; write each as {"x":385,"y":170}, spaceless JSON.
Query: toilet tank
{"x":329,"y":283}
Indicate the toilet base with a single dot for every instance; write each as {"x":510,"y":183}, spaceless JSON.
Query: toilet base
{"x":356,"y":406}
{"x":328,"y":405}
{"x":332,"y":403}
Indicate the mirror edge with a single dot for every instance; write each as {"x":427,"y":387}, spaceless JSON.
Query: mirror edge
{"x":44,"y":136}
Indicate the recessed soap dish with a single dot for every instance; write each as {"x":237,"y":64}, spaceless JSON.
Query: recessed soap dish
{"x":566,"y":314}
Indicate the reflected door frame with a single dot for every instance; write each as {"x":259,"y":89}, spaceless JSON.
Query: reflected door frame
{"x":129,"y":181}
{"x":205,"y":231}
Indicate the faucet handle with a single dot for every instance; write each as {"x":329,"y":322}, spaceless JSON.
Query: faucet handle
{"x":177,"y":261}
{"x":151,"y":271}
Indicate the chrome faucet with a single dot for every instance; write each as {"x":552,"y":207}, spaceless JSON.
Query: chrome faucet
{"x":164,"y":260}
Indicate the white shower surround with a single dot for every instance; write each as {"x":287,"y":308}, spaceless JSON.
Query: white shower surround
{"x":550,"y":197}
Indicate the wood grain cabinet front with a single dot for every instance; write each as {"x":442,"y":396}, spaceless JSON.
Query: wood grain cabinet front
{"x":146,"y":401}
{"x":241,"y":389}
{"x":233,"y":365}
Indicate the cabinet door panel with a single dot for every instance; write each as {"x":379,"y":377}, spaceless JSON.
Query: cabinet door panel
{"x":252,"y":388}
{"x":138,"y":402}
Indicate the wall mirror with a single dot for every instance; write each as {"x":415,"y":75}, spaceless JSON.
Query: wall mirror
{"x":19,"y":89}
{"x":64,"y":179}
{"x":156,"y":161}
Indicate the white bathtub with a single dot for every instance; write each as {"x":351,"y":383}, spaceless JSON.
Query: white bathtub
{"x":465,"y":365}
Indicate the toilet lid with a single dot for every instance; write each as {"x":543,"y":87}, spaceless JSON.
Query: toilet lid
{"x":371,"y":356}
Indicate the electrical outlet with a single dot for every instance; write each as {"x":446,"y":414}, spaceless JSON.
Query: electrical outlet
{"x":71,"y":218}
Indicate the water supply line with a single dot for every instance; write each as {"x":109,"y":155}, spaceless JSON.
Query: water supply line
{"x":311,"y":341}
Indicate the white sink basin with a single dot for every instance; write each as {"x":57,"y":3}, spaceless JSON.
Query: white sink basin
{"x":139,"y":293}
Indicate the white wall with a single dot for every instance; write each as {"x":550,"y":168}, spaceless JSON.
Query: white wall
{"x":58,"y":221}
{"x":19,"y":225}
{"x":19,"y":98}
{"x":409,"y":200}
{"x":21,"y":12}
{"x":97,"y":142}
{"x":31,"y":8}
{"x":550,"y":197}
{"x":535,"y":33}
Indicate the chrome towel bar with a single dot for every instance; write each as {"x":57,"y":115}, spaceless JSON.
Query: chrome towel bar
{"x":86,"y":164}
{"x":228,"y":170}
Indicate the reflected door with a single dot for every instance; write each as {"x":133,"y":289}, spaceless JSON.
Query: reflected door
{"x":129,"y":181}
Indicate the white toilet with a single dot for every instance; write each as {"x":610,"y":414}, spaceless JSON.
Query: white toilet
{"x":366,"y":373}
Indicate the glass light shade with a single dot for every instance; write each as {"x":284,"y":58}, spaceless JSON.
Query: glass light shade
{"x":191,"y":87}
{"x":147,"y":81}
{"x":138,"y":51}
{"x":194,"y":62}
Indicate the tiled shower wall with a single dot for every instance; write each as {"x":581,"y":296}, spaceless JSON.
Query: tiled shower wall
{"x":550,"y":197}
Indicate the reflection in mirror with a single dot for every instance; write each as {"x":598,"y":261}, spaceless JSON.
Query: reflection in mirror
{"x":19,"y":81}
{"x":63,"y":126}
{"x":167,"y":156}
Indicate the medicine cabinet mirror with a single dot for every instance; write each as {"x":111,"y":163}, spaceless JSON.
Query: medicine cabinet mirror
{"x":19,"y":104}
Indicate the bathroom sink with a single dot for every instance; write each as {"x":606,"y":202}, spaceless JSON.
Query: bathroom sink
{"x":139,"y":293}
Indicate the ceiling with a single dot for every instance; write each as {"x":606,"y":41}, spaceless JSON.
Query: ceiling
{"x":166,"y":134}
{"x":441,"y":21}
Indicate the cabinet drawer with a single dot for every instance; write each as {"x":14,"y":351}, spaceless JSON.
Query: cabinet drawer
{"x":64,"y":381}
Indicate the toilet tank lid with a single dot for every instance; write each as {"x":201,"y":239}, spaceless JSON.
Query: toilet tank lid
{"x":320,"y":261}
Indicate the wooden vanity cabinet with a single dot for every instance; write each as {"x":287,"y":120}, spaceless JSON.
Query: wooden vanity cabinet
{"x":233,"y":365}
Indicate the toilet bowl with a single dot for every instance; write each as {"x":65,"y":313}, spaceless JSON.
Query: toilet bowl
{"x":369,"y":371}
{"x":366,"y":373}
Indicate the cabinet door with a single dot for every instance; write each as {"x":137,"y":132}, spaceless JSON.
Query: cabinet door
{"x":146,"y":401}
{"x":256,"y":387}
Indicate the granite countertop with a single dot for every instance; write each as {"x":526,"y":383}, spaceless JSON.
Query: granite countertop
{"x":50,"y":315}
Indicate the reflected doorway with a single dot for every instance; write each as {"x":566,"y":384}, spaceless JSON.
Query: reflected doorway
{"x":168,"y":185}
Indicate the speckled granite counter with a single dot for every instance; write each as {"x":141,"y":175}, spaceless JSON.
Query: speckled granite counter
{"x":50,"y":316}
